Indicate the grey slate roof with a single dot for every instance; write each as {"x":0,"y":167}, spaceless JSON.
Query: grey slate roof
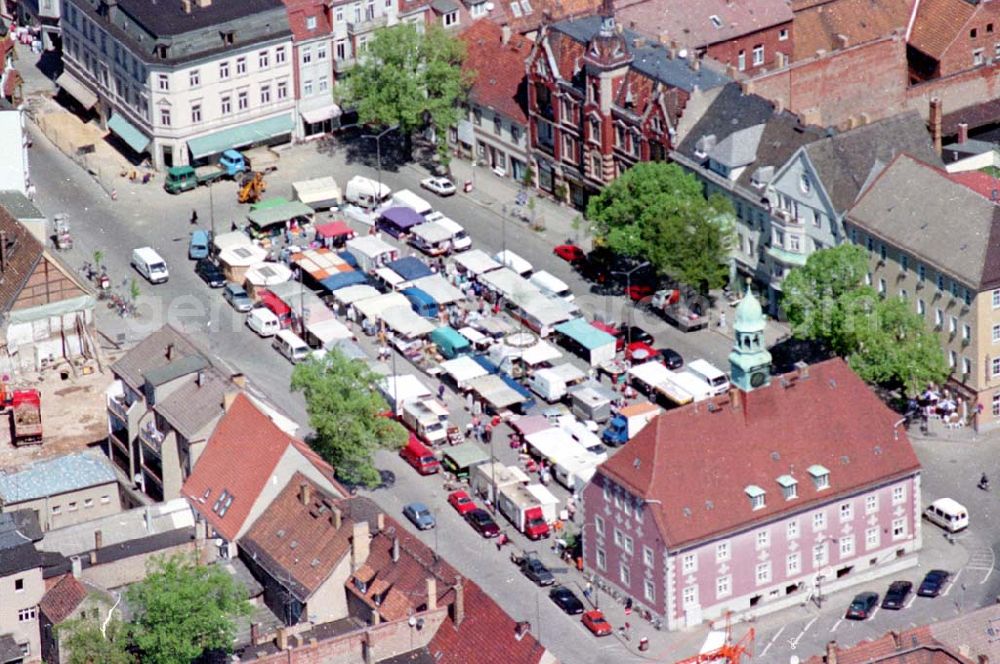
{"x":19,"y":559}
{"x":651,"y":59}
{"x":739,"y":148}
{"x":845,"y":162}
{"x":444,"y":6}
{"x":167,"y":17}
{"x":175,"y":369}
{"x":18,"y":527}
{"x":9,"y":650}
{"x":19,"y":205}
{"x":729,"y":112}
{"x":150,"y":354}
{"x":194,"y":408}
{"x":52,"y":477}
{"x":919,"y":209}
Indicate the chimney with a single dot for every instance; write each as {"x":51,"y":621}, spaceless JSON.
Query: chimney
{"x":203,"y":3}
{"x":395,"y":549}
{"x":842,"y":41}
{"x":98,"y":539}
{"x":458,"y":605}
{"x":3,"y":251}
{"x":77,"y":566}
{"x":93,"y":558}
{"x":228,"y":399}
{"x":935,"y":122}
{"x":200,"y":379}
{"x":963,"y":132}
{"x":170,"y":347}
{"x":380,"y":521}
{"x":282,"y":639}
{"x":831,"y":652}
{"x":897,"y":640}
{"x":239,"y":380}
{"x":780,"y":60}
{"x":254,"y":632}
{"x":734,"y":398}
{"x":505,"y":34}
{"x":336,"y":518}
{"x":802,"y":369}
{"x":638,"y":42}
{"x":186,"y":4}
{"x":359,"y":545}
{"x":432,"y":593}
{"x":695,"y":63}
{"x":305,"y":493}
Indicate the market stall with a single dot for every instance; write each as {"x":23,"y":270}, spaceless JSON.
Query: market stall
{"x":318,"y":193}
{"x":334,"y":234}
{"x":371,"y":252}
{"x":462,"y":370}
{"x":438,"y":288}
{"x":475,"y":262}
{"x":584,"y":339}
{"x":266,"y":275}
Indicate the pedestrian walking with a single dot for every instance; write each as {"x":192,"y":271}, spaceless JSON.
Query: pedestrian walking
{"x":468,"y":401}
{"x":487,"y":434}
{"x":194,"y":217}
{"x":441,"y":391}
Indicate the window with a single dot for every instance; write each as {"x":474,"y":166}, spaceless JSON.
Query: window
{"x":996,"y":299}
{"x":310,"y":23}
{"x":872,"y":537}
{"x":105,"y":500}
{"x":321,"y":52}
{"x":599,"y":526}
{"x":793,"y":563}
{"x":265,"y":94}
{"x":226,"y":104}
{"x":722,"y":552}
{"x":323,"y":85}
{"x":450,"y":19}
{"x":898,"y":494}
{"x":756,"y":495}
{"x":282,"y":91}
{"x":977,"y":57}
{"x":88,"y":502}
{"x":515,"y":134}
{"x":340,"y":49}
{"x":241,"y":66}
{"x":953,"y":324}
{"x":619,"y":538}
{"x":996,"y":367}
{"x":819,"y":521}
{"x":723,"y":586}
{"x":194,"y":78}
{"x":952,"y":359}
{"x":647,"y":557}
{"x":966,"y":296}
{"x":966,"y":366}
{"x":793,"y":243}
{"x":263,"y":60}
{"x":649,"y":590}
{"x":715,"y":20}
{"x":195,"y":113}
{"x":996,"y":403}
{"x":881,"y":286}
{"x":763,"y":539}
{"x":27,"y":615}
{"x":741,"y":60}
{"x":904,"y":262}
{"x":899,"y":528}
{"x":497,"y":126}
{"x":624,"y":575}
{"x":72,"y":506}
{"x":966,"y":332}
{"x":307,"y":88}
{"x":847,"y":546}
{"x":792,"y":529}
{"x":758,"y":55}
{"x":921,"y":272}
{"x":477,"y":116}
{"x":602,"y":559}
{"x":820,"y":555}
{"x":846,"y":512}
{"x":783,"y":34}
{"x":223,"y":70}
{"x":629,"y":545}
{"x":938,"y":317}
{"x":279,"y":54}
{"x":18,"y":585}
{"x":763,"y":572}
{"x":242,"y":100}
{"x":689,"y":563}
{"x":163,"y":81}
{"x":940,"y":282}
{"x":820,"y":476}
{"x":871,"y":503}
{"x":307,"y":55}
{"x":921,"y":307}
{"x":972,"y":33}
{"x":689,"y":596}
{"x":165,"y":117}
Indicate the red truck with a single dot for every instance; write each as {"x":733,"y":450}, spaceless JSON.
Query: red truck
{"x":523,"y":510}
{"x":26,"y":411}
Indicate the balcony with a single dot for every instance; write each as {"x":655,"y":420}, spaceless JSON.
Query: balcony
{"x":118,"y":402}
{"x":343,"y":64}
{"x":151,"y":436}
{"x":784,"y":217}
{"x":368,"y":24}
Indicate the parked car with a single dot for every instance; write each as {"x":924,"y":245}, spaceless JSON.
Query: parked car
{"x":570,"y":253}
{"x":933,"y":583}
{"x":237,"y":296}
{"x":482,"y":522}
{"x":419,"y":516}
{"x":612,"y":330}
{"x":895,"y":596}
{"x":639,"y":292}
{"x":639,"y":351}
{"x":634,"y":333}
{"x":461,"y":502}
{"x":566,"y":600}
{"x":533,"y":568}
{"x":596,"y":623}
{"x":439,"y":186}
{"x":210,"y":273}
{"x":671,"y":358}
{"x":198,"y":244}
{"x":862,"y":606}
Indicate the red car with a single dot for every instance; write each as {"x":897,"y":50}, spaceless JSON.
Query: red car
{"x":461,"y":502}
{"x":638,"y":351}
{"x":612,"y":330}
{"x":639,"y":292}
{"x":596,"y":623}
{"x":569,"y":253}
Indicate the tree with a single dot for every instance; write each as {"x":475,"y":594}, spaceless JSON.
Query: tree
{"x":183,"y":609}
{"x":410,"y":79}
{"x":85,"y":642}
{"x":347,"y":414}
{"x":657,"y":211}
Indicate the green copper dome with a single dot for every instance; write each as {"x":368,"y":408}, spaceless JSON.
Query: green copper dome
{"x":749,"y":314}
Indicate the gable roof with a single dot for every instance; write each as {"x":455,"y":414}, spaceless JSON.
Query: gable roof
{"x":22,"y":254}
{"x":530,"y":15}
{"x":499,"y":68}
{"x":51,"y":477}
{"x":739,"y":148}
{"x":982,"y":183}
{"x":700,"y":24}
{"x":845,"y":162}
{"x":62,"y":599}
{"x":925,"y":212}
{"x":915,"y":646}
{"x":151,"y":356}
{"x":239,"y":459}
{"x":819,"y":25}
{"x":830,"y":418}
{"x":938,"y":23}
{"x":299,"y":11}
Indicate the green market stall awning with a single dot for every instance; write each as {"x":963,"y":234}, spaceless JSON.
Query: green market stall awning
{"x":237,"y":137}
{"x":128,"y":133}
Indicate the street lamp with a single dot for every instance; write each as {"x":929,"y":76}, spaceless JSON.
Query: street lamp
{"x":628,"y":289}
{"x":378,"y":151}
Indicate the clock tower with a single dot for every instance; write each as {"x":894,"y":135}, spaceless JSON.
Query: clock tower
{"x":749,"y":362}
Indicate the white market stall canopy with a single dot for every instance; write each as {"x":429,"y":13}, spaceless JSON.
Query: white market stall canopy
{"x":431,"y":232}
{"x":509,"y":284}
{"x":242,"y":255}
{"x":370,"y":246}
{"x":463,"y":369}
{"x":351,"y":294}
{"x":373,"y":307}
{"x":439,"y":289}
{"x":328,"y":331}
{"x":492,"y":388}
{"x":476,"y":261}
{"x":267,"y":275}
{"x":404,"y":321}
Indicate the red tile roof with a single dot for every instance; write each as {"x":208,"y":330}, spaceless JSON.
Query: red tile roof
{"x":691,"y":25}
{"x":541,"y":12}
{"x":237,"y":463}
{"x":828,"y":418}
{"x":915,"y":646}
{"x":938,"y":23}
{"x":301,"y":10}
{"x":63,"y":599}
{"x":983,"y":184}
{"x":819,"y":25}
{"x":499,"y":69}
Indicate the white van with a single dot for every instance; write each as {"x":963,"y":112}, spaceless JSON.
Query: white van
{"x":460,"y":240}
{"x":291,"y":346}
{"x":508,"y":258}
{"x":547,"y":384}
{"x":551,"y":285}
{"x":263,"y":321}
{"x":949,"y":514}
{"x":149,"y":264}
{"x":366,"y":192}
{"x":406,"y":198}
{"x":716,"y":378}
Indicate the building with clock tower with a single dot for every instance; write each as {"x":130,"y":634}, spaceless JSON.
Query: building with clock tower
{"x":750,"y":361}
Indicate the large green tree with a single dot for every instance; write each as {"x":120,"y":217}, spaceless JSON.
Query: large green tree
{"x":347,"y":414}
{"x":411,"y":79}
{"x":84,"y":641}
{"x":183,"y":609}
{"x":659,"y":212}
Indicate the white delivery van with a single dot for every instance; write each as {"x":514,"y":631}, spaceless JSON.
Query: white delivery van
{"x":948,"y":513}
{"x":551,"y":285}
{"x":460,"y":240}
{"x":291,"y":346}
{"x":716,"y":378}
{"x":508,"y":258}
{"x":547,"y":384}
{"x":406,"y":198}
{"x":149,"y":264}
{"x":263,"y":321}
{"x":366,"y":192}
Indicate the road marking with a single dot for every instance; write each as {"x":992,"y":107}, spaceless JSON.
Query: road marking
{"x":952,"y":584}
{"x":793,"y":643}
{"x":773,"y":639}
{"x":913,"y":598}
{"x":836,"y":625}
{"x":873,"y":613}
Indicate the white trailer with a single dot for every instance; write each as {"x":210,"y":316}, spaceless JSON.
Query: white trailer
{"x":482,"y":477}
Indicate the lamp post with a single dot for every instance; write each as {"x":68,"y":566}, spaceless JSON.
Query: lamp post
{"x":628,"y":294}
{"x":378,"y":152}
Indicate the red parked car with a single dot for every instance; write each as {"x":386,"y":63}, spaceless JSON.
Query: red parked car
{"x":596,"y":623}
{"x":612,"y":330}
{"x":570,"y":253}
{"x":639,"y":292}
{"x":461,"y":502}
{"x":638,"y":351}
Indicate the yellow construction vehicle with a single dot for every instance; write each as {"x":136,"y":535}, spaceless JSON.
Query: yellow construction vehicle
{"x":252,"y":189}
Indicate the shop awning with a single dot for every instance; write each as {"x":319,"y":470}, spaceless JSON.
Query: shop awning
{"x":72,"y":85}
{"x":128,"y":133}
{"x":321,"y":114}
{"x":237,"y":137}
{"x":466,"y":133}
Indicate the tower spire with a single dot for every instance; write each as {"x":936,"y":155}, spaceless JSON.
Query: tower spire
{"x":749,"y":361}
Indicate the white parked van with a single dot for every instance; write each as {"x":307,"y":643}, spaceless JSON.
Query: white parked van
{"x":406,"y":198}
{"x":150,"y":265}
{"x":547,"y":384}
{"x":716,"y":378}
{"x":366,"y":192}
{"x":551,"y":285}
{"x":508,"y":258}
{"x":949,"y":514}
{"x":460,"y":240}
{"x":263,"y":321}
{"x":291,"y":346}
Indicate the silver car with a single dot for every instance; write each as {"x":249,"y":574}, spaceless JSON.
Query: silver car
{"x":420,"y":516}
{"x":236,"y":296}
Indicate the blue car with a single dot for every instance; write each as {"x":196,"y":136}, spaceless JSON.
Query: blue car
{"x":419,"y":516}
{"x":198,"y":246}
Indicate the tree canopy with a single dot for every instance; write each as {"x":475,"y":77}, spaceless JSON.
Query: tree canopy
{"x":411,"y":79}
{"x":83,"y":642}
{"x":884,"y":340}
{"x":183,"y":609}
{"x":657,"y":211}
{"x":347,"y":414}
